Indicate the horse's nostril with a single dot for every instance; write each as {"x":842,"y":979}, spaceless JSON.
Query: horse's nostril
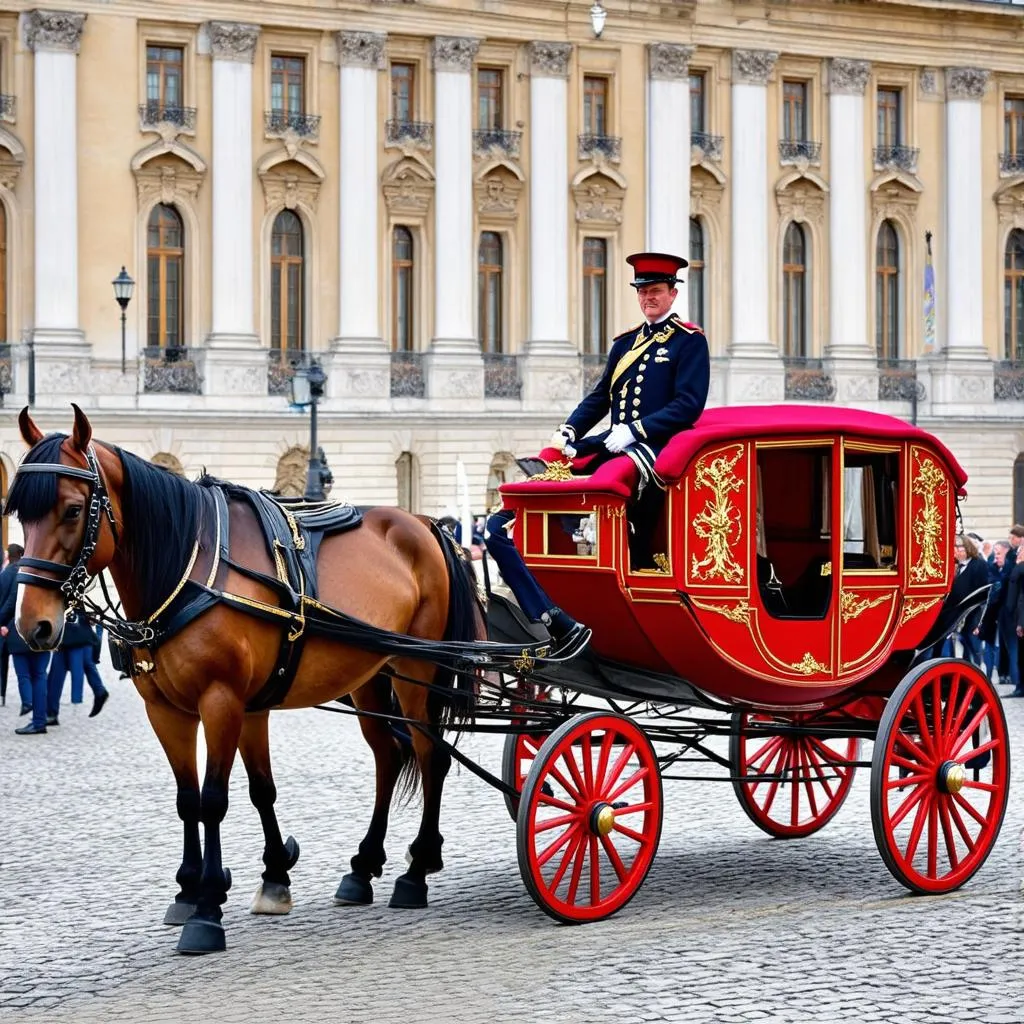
{"x":42,"y":632}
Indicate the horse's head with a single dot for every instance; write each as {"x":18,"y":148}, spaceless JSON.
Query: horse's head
{"x":61,"y":498}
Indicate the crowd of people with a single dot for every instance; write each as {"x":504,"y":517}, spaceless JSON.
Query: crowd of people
{"x":991,"y":635}
{"x":41,"y":674}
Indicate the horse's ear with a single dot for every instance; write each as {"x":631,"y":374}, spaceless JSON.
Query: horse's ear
{"x":82,"y":434}
{"x":30,"y":433}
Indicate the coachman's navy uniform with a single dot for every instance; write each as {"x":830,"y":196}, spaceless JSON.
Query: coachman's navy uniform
{"x":655,"y":383}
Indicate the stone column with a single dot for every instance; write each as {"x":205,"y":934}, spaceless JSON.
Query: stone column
{"x":359,"y":369}
{"x":235,"y":362}
{"x":552,"y":367}
{"x":62,"y":357}
{"x":850,"y":352}
{"x":668,"y":154}
{"x":454,"y":367}
{"x":755,"y":369}
{"x":964,"y":376}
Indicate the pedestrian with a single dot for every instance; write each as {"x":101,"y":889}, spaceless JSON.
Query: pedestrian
{"x":29,"y":666}
{"x":75,"y":655}
{"x":972,"y":575}
{"x":989,"y":629}
{"x":14,"y":553}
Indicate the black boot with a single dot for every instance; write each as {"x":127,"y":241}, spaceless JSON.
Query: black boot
{"x":559,"y":624}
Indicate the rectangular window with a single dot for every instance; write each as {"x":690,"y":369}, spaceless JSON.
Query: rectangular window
{"x":490,"y":88}
{"x":164,"y":75}
{"x":698,"y":102}
{"x":795,"y":113}
{"x":287,"y":84}
{"x":1013,"y":126}
{"x":402,"y":254}
{"x":403,"y":92}
{"x":890,"y":117}
{"x":595,"y":105}
{"x":595,"y":295}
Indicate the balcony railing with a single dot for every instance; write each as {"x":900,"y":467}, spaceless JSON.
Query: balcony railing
{"x":281,"y":368}
{"x":593,"y":367}
{"x":501,"y":376}
{"x":897,"y":381}
{"x":407,"y":379}
{"x":1011,"y":163}
{"x":6,"y":372}
{"x":1009,"y":382}
{"x":280,"y":122}
{"x":793,"y":150}
{"x":171,"y":371}
{"x":8,"y":105}
{"x":497,"y":141}
{"x":709,"y":145}
{"x":898,"y":158}
{"x":412,"y":133}
{"x":609,"y":147}
{"x":152,"y":115}
{"x":806,"y":380}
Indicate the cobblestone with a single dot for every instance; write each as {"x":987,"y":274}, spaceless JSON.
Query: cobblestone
{"x":730,"y":925}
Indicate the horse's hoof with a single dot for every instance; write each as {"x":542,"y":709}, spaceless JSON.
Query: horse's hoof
{"x":409,"y":894}
{"x":354,"y":891}
{"x":271,"y":898}
{"x":291,"y":848}
{"x":178,"y":913}
{"x":199,"y":936}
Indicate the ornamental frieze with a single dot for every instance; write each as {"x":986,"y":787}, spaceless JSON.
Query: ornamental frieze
{"x":966,"y":83}
{"x":233,"y":40}
{"x":54,"y":30}
{"x":670,"y":61}
{"x":550,"y":60}
{"x":361,"y":49}
{"x":848,"y":77}
{"x":598,"y":201}
{"x":454,"y":53}
{"x":753,"y":67}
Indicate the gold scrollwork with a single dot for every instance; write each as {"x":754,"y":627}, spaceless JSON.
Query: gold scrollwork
{"x":525,"y":662}
{"x":808,"y":665}
{"x":850,"y":607}
{"x":720,"y":522}
{"x":739,"y":612}
{"x":915,"y":607}
{"x":661,"y":561}
{"x":930,"y":483}
{"x":555,"y":471}
{"x":615,"y":511}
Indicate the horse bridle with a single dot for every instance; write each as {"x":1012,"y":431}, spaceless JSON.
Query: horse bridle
{"x":72,"y":580}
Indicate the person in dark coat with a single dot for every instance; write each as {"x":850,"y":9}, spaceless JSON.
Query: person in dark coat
{"x":14,"y":552}
{"x":74,"y":656}
{"x":972,"y":575}
{"x":29,"y":666}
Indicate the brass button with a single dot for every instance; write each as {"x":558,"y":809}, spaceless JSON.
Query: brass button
{"x":636,"y":401}
{"x":639,"y":377}
{"x":636,"y":415}
{"x":636,"y":391}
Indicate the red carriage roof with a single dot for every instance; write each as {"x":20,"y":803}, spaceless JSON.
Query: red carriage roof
{"x":727,"y":423}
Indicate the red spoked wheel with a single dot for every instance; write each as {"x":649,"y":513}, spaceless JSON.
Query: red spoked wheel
{"x":589,"y":818}
{"x":519,"y":751}
{"x":789,"y":784}
{"x":939,"y":776}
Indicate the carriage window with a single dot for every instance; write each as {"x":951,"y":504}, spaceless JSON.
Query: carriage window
{"x":869,"y":510}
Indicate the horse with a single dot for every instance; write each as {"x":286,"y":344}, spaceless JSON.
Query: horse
{"x":87,"y":506}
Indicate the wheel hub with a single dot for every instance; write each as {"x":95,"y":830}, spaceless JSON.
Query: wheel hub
{"x":602,"y":819}
{"x":952,"y":776}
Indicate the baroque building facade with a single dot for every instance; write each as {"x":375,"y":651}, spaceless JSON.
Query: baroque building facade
{"x":434,"y":200}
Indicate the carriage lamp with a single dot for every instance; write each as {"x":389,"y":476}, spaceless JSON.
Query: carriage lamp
{"x":307,"y":386}
{"x":597,"y":18}
{"x":123,"y":288}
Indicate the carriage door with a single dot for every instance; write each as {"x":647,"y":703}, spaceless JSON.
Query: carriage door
{"x":796,"y":548}
{"x":869,"y":564}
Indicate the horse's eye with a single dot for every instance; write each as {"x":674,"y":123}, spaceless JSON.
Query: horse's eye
{"x":72,"y":513}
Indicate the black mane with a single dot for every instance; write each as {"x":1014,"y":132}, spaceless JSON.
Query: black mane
{"x":32,"y":495}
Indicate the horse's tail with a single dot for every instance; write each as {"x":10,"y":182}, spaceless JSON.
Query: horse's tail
{"x":466,"y":622}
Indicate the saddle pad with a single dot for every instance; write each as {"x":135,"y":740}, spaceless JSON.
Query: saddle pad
{"x":323,"y":517}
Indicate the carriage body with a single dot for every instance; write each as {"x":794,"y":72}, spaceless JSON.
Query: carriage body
{"x":801,"y":550}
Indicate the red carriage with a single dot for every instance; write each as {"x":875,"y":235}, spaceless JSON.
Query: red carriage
{"x":804,"y":570}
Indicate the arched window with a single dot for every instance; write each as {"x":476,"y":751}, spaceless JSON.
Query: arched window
{"x":887,"y":292}
{"x":489,"y":287}
{"x":1018,"y":489}
{"x":695,"y":274}
{"x":1013,"y":297}
{"x":287,"y":289}
{"x":402,"y":268}
{"x":794,"y":292}
{"x":595,"y":295}
{"x":408,"y":482}
{"x":165,"y":276}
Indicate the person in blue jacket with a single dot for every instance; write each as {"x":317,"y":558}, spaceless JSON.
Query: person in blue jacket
{"x":29,"y":666}
{"x":74,"y":656}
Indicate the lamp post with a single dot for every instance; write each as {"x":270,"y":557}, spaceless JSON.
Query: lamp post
{"x":307,"y":389}
{"x":123,"y":287}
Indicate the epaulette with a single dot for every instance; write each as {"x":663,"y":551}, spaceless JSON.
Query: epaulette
{"x":683,"y":325}
{"x":632,"y":330}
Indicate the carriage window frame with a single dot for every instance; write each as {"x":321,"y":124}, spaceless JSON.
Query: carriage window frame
{"x":866,"y":450}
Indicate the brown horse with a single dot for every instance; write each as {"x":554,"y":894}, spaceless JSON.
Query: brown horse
{"x":87,"y":507}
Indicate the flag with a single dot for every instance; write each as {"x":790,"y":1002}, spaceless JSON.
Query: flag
{"x":929,"y":296}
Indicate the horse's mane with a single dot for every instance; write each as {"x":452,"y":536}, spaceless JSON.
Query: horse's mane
{"x":32,"y":495}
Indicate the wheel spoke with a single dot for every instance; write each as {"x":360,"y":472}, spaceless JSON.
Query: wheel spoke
{"x":971,"y":810}
{"x":781,"y":763}
{"x":622,"y":787}
{"x":987,"y":787}
{"x":909,"y":744}
{"x":902,"y":762}
{"x":907,"y":806}
{"x":560,"y":805}
{"x":977,"y":751}
{"x":633,"y":809}
{"x":951,"y":706}
{"x":577,"y":869}
{"x":966,"y":733}
{"x":588,"y":765}
{"x":602,"y":760}
{"x":630,"y":833}
{"x":595,"y":872}
{"x":569,"y":759}
{"x":933,"y":839}
{"x":613,"y":856}
{"x":550,"y":823}
{"x":552,"y":848}
{"x":961,"y":711}
{"x":564,"y":783}
{"x":616,"y":770}
{"x":794,"y":796}
{"x":908,"y":780}
{"x":831,"y":757}
{"x":922,"y":724}
{"x":567,"y":859}
{"x":756,"y":762}
{"x":961,"y":827}
{"x":915,"y":833}
{"x":947,"y":833}
{"x":816,"y":763}
{"x":937,"y":709}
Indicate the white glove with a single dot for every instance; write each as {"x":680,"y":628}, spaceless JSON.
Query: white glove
{"x":619,"y":437}
{"x":562,"y":436}
{"x":569,"y":452}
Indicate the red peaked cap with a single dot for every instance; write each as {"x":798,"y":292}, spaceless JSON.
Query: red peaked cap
{"x":655,"y":267}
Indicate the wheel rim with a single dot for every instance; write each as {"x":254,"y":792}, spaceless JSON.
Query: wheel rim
{"x":806,"y":778}
{"x":591,"y":818}
{"x":520,"y":752}
{"x":940,"y":776}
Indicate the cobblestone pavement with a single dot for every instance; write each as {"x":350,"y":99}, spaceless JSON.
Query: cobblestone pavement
{"x":730,"y":926}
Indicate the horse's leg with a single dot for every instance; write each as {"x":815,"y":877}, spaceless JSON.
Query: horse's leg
{"x":434,"y":762}
{"x":274,"y":895}
{"x":176,"y":732}
{"x":390,"y":755}
{"x":222,"y":713}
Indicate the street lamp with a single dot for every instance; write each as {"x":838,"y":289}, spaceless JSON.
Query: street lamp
{"x":307,"y":389}
{"x":123,"y":287}
{"x":597,"y":18}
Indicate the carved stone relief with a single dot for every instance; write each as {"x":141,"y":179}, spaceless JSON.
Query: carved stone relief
{"x":669,"y":60}
{"x":362,"y":49}
{"x":54,"y":30}
{"x":497,"y":194}
{"x":454,"y":53}
{"x":598,"y":201}
{"x":550,"y":60}
{"x":753,"y":67}
{"x":893,"y":201}
{"x":848,"y":76}
{"x":801,"y":200}
{"x":167,"y":179}
{"x":1010,"y":207}
{"x":929,"y":83}
{"x":169,"y":462}
{"x":290,"y":479}
{"x":705,"y":194}
{"x":408,"y":186}
{"x":233,"y":40}
{"x":966,"y":83}
{"x":10,"y":168}
{"x":290,"y":184}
